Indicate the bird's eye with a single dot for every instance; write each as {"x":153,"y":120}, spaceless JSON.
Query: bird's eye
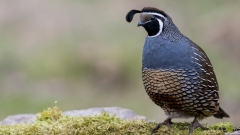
{"x":153,"y":18}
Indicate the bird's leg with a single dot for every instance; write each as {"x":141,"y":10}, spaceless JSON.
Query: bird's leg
{"x":196,"y":124}
{"x":166,"y":122}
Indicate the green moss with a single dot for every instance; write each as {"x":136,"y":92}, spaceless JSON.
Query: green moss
{"x":52,"y":114}
{"x":52,"y":122}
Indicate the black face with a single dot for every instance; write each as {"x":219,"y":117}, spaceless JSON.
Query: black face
{"x":152,"y":27}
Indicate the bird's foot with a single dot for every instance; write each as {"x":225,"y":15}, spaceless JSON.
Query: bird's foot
{"x":195,"y":124}
{"x":167,"y":122}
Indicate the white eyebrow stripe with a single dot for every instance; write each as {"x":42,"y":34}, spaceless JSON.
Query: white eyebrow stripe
{"x":147,"y":21}
{"x":157,"y":14}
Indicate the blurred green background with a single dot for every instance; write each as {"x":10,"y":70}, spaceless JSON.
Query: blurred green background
{"x":82,"y":53}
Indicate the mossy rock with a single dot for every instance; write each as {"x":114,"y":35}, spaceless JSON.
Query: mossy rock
{"x":52,"y":122}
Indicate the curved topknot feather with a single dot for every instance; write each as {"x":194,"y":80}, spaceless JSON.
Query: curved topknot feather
{"x":130,"y":15}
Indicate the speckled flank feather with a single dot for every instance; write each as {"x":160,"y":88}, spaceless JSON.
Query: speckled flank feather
{"x":178,"y":92}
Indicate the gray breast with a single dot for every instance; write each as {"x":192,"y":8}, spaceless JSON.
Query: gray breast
{"x":162,"y":53}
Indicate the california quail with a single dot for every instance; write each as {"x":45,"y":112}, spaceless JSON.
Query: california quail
{"x":176,"y":72}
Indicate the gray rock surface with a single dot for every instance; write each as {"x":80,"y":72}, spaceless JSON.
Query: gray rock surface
{"x":118,"y":111}
{"x":17,"y":119}
{"x":235,"y":133}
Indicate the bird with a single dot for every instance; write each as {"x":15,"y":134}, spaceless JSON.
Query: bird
{"x":177,"y":74}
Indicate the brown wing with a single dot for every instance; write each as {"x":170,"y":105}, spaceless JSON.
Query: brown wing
{"x":208,"y":86}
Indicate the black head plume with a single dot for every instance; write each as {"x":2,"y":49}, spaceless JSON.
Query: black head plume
{"x":130,"y":15}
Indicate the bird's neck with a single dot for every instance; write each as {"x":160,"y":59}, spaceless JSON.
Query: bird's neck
{"x":171,"y":32}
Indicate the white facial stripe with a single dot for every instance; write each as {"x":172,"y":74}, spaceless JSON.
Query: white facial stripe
{"x":147,"y":21}
{"x":160,"y":28}
{"x":152,"y":13}
{"x":160,"y":22}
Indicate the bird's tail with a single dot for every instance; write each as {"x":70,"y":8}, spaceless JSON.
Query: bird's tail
{"x":220,"y":114}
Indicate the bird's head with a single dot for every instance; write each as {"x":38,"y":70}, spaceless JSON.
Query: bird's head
{"x":152,"y":19}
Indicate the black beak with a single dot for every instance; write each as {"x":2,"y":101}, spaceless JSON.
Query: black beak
{"x":140,"y":23}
